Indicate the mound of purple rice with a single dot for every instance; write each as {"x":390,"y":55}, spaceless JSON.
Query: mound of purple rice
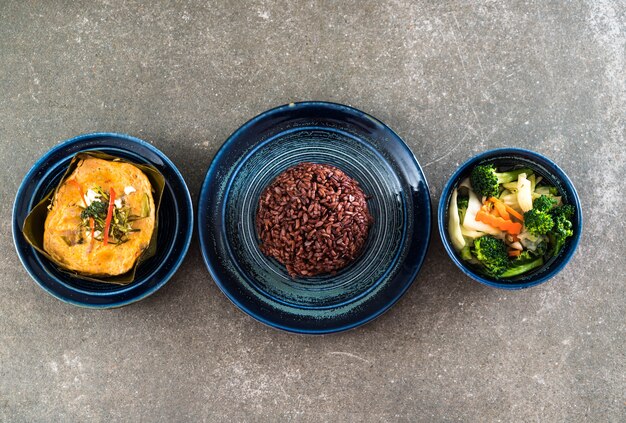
{"x":313,"y":218}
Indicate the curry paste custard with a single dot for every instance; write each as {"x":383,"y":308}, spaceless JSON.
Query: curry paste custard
{"x":101,"y":218}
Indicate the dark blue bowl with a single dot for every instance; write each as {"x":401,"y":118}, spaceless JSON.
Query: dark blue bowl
{"x":174,"y":234}
{"x":551,"y":173}
{"x":366,"y":150}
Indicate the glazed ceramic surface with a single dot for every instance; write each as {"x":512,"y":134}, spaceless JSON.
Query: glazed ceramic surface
{"x":175,"y":223}
{"x":509,"y":157}
{"x":367,"y":151}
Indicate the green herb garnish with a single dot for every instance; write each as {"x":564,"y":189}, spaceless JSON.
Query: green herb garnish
{"x":121,"y":221}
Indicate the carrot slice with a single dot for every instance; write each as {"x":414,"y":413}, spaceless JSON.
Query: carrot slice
{"x":508,"y":209}
{"x":502,"y":210}
{"x":514,"y":253}
{"x":514,"y":213}
{"x":488,"y":207}
{"x":107,"y":222}
{"x":512,"y":228}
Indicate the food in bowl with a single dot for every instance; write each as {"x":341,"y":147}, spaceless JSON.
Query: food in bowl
{"x":508,"y":221}
{"x":101,"y":218}
{"x":313,"y":219}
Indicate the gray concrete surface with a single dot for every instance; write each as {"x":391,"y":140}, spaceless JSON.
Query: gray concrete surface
{"x":453,"y":78}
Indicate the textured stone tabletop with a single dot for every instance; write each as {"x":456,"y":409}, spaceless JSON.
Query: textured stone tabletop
{"x":453,"y":78}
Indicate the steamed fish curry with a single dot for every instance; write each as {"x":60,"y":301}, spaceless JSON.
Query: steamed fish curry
{"x":101,"y":218}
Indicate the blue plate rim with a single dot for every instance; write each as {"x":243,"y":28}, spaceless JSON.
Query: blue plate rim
{"x":203,"y":198}
{"x":16,"y":229}
{"x":442,"y":207}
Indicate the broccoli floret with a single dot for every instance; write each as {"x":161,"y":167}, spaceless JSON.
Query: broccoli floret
{"x":462,"y":203}
{"x":538,"y":222}
{"x":565,"y":210}
{"x":518,"y":268}
{"x":492,"y":254}
{"x":544,"y":203}
{"x":562,"y":229}
{"x":525,"y":257}
{"x":486,"y":181}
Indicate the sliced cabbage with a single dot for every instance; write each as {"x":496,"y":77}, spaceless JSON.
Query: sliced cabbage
{"x":466,"y":183}
{"x":533,"y":182}
{"x":510,"y":185}
{"x":454,"y":223}
{"x":543,"y":190}
{"x":468,"y":233}
{"x":524,"y":193}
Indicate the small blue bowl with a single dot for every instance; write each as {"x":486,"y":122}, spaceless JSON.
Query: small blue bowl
{"x":363,"y":148}
{"x":552,"y":174}
{"x":174,"y":234}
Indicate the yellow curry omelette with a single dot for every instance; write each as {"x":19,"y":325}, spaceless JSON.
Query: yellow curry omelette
{"x":101,"y":218}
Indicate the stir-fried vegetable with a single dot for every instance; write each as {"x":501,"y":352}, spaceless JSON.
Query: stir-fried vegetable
{"x":462,"y":203}
{"x":520,"y":224}
{"x":470,"y":222}
{"x":524,"y":193}
{"x":521,"y":268}
{"x":544,"y":203}
{"x":486,"y":180}
{"x":562,"y":216}
{"x":510,"y":227}
{"x":538,"y":222}
{"x":508,"y":210}
{"x":454,"y":223}
{"x":492,"y":254}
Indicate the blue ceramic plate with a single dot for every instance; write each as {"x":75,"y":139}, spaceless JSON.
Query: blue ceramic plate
{"x":173,"y":237}
{"x":365,"y":149}
{"x":552,"y":174}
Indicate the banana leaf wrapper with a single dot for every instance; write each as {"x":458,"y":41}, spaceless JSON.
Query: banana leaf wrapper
{"x":34,"y":223}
